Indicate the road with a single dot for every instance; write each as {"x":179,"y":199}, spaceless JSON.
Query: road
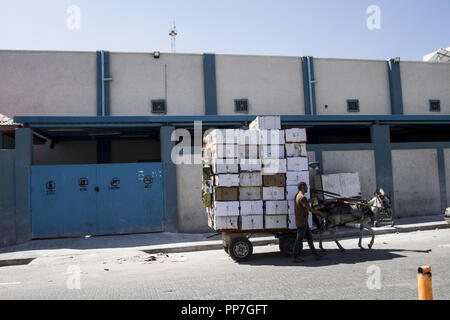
{"x":386,"y":272}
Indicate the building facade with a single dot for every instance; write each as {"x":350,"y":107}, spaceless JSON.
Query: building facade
{"x":386,"y":120}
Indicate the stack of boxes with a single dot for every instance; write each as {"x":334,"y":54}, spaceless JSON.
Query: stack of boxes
{"x":250,"y":176}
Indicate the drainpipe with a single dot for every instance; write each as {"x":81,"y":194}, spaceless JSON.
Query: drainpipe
{"x":103,"y":79}
{"x":310,"y":84}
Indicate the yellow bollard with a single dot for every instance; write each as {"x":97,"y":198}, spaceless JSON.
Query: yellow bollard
{"x":424,"y":283}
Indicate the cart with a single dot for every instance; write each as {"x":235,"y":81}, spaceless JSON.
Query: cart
{"x":237,"y":245}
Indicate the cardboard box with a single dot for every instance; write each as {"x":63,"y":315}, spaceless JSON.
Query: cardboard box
{"x":293,"y":178}
{"x":271,"y":137}
{"x":275,"y":207}
{"x":295,"y":135}
{"x":291,"y":206}
{"x":251,"y":165}
{"x":250,"y":193}
{"x":226,"y":223}
{"x":274,"y":193}
{"x":253,"y":222}
{"x":249,"y":137}
{"x":297,"y":164}
{"x":273,"y":166}
{"x":276,"y":180}
{"x":291,"y":222}
{"x":275,"y":221}
{"x":226,"y":180}
{"x":224,"y":151}
{"x":296,"y":150}
{"x":248,"y":151}
{"x":226,"y":194}
{"x":249,"y":208}
{"x":225,"y":166}
{"x":266,"y":122}
{"x":226,"y":208}
{"x":250,"y":179}
{"x":271,"y":151}
{"x":223,"y":136}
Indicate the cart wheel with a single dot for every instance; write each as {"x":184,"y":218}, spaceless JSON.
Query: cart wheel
{"x":286,"y":244}
{"x":240,"y":249}
{"x":226,"y":249}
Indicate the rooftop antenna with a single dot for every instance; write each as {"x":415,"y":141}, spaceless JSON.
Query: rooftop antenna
{"x":173,"y":36}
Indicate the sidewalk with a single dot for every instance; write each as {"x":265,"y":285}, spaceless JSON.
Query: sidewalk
{"x":153,"y":243}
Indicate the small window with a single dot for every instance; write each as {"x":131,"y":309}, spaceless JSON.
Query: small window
{"x":241,"y":105}
{"x":159,"y":106}
{"x":353,"y":105}
{"x":435,"y":105}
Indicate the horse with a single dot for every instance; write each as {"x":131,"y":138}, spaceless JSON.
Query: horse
{"x":360,"y":213}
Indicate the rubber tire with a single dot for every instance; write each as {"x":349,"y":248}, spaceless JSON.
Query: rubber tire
{"x":286,"y":244}
{"x":241,"y":241}
{"x":226,"y":250}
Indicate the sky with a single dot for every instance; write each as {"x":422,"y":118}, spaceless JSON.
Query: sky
{"x":322,"y":28}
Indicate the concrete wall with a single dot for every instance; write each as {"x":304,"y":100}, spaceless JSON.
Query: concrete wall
{"x":360,"y":161}
{"x":7,"y":198}
{"x":422,"y":82}
{"x":192,"y":216}
{"x":272,"y":85}
{"x":447,"y":173}
{"x":82,"y":152}
{"x":138,"y":78}
{"x":416,"y":182}
{"x":339,"y":80}
{"x":46,"y":83}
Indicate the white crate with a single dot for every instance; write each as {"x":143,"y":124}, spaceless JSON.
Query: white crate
{"x":266,"y":122}
{"x":249,"y":208}
{"x":226,"y":208}
{"x":223,"y":136}
{"x":273,"y":193}
{"x":249,"y":193}
{"x":276,"y":207}
{"x":271,"y":137}
{"x":248,"y":151}
{"x":273,"y":166}
{"x":275,"y":221}
{"x":250,"y":179}
{"x":294,"y":177}
{"x":226,"y":180}
{"x":295,"y":135}
{"x":226,"y":223}
{"x":249,"y":137}
{"x":291,"y":192}
{"x":291,"y":206}
{"x":297,"y":164}
{"x":251,"y":165}
{"x":296,"y":150}
{"x":271,"y":151}
{"x":291,"y":221}
{"x":229,"y":151}
{"x":220,"y":166}
{"x":254,"y":222}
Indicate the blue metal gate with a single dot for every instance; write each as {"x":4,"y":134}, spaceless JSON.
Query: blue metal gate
{"x":97,"y":199}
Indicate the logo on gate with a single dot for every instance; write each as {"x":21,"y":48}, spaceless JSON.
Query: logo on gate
{"x":115,"y":183}
{"x":83,"y":183}
{"x":50,"y":186}
{"x":148,"y":180}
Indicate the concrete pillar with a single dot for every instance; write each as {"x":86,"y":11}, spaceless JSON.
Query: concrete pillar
{"x":171,"y":197}
{"x":395,"y":86}
{"x":209,"y":80}
{"x":381,"y":139}
{"x":1,"y":140}
{"x":24,"y":159}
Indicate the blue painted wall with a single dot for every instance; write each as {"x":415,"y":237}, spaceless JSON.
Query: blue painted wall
{"x":7,"y":198}
{"x":395,"y":86}
{"x":209,"y":77}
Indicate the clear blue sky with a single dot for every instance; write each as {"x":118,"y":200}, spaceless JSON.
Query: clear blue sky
{"x":322,"y":28}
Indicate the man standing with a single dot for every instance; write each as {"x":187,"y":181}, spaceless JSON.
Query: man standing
{"x":302,"y":209}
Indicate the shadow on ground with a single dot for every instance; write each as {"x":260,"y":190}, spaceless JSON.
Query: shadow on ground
{"x":332,"y":257}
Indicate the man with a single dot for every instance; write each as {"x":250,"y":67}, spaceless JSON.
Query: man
{"x":302,"y":209}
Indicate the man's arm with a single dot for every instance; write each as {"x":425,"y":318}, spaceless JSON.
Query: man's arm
{"x":306,"y":205}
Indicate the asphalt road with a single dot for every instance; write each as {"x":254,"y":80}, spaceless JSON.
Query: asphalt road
{"x":388,"y":271}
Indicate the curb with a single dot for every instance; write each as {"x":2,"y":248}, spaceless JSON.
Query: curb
{"x":264,"y":242}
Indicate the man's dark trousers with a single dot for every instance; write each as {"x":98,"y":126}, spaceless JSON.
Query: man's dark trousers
{"x":298,"y":246}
